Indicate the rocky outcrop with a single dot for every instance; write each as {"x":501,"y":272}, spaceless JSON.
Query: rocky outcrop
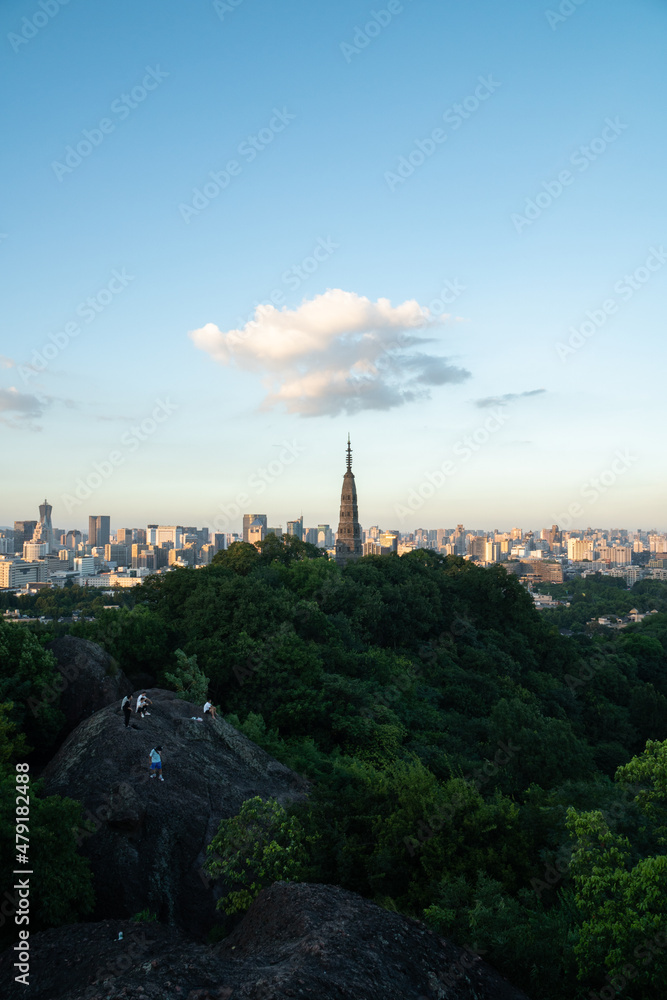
{"x":308,"y":941}
{"x":91,"y":678}
{"x":147,"y":838}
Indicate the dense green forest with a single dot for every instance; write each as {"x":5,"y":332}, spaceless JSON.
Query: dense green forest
{"x":470,"y":765}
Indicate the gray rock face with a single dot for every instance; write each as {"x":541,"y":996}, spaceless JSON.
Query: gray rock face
{"x":92,"y":678}
{"x":295,"y":941}
{"x":149,"y":840}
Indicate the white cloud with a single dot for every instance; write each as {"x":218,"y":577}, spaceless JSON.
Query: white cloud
{"x":338,"y":352}
{"x":6,"y":362}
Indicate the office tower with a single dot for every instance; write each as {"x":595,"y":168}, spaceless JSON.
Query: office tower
{"x":255,"y":531}
{"x":248,"y":520}
{"x":165,"y":534}
{"x":44,"y":530}
{"x":116,"y":554}
{"x":278,"y":532}
{"x":124,"y":536}
{"x":325,"y":537}
{"x":389,"y":540}
{"x":23,"y":532}
{"x":296,"y":528}
{"x":477,"y":548}
{"x":139,"y":536}
{"x":310,"y":536}
{"x":72,"y":539}
{"x":219,"y":541}
{"x":348,"y":543}
{"x":99,"y":530}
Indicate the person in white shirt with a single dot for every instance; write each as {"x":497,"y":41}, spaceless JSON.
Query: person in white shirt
{"x":142,"y":703}
{"x":210,"y":709}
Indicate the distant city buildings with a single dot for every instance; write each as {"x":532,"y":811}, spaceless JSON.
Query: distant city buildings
{"x":34,"y":554}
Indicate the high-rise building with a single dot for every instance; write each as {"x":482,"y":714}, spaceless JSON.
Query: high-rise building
{"x":248,"y":520}
{"x":124,"y":536}
{"x":389,"y":540}
{"x":23,"y":532}
{"x":255,"y":531}
{"x":296,"y":528}
{"x":72,"y":539}
{"x":166,"y":534}
{"x":99,"y":530}
{"x":43,"y":533}
{"x":325,"y":537}
{"x":348,"y":543}
{"x":114,"y":553}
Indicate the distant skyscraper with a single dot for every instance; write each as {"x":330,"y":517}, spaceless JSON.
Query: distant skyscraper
{"x":43,"y":533}
{"x":248,"y":520}
{"x":23,"y":532}
{"x":99,"y":530}
{"x":296,"y":528}
{"x":348,"y":543}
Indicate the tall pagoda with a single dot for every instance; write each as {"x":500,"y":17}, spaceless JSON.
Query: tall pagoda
{"x":348,"y":542}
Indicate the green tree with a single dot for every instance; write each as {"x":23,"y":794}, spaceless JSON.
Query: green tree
{"x":259,"y":846}
{"x":30,"y":681}
{"x":61,"y":880}
{"x":188,"y":680}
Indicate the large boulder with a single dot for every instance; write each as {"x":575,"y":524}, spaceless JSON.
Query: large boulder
{"x":303,"y":940}
{"x":148,"y":838}
{"x":91,"y":678}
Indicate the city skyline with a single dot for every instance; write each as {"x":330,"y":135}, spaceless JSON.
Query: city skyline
{"x":457,"y":259}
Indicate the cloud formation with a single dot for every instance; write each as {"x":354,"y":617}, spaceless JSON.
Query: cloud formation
{"x":336,"y":353}
{"x":509,"y":397}
{"x":6,"y":362}
{"x":19,"y":410}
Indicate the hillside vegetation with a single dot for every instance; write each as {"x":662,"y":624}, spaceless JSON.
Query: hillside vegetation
{"x":471,"y":766}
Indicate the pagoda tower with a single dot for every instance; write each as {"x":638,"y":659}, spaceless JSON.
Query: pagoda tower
{"x":348,"y":543}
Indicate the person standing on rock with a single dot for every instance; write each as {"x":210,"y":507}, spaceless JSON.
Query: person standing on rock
{"x":210,"y":709}
{"x":156,"y":762}
{"x":143,"y":701}
{"x":126,"y":705}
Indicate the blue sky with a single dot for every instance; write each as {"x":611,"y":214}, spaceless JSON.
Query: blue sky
{"x":540,"y":207}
